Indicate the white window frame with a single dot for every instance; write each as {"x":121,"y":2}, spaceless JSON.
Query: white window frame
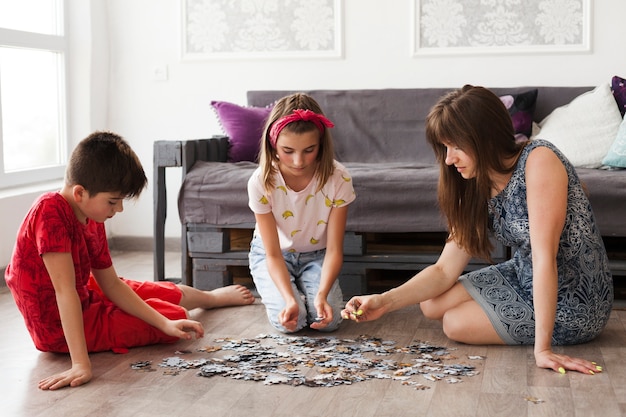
{"x":43,"y":42}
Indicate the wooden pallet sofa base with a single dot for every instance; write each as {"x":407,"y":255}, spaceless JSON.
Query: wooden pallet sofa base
{"x":216,"y":252}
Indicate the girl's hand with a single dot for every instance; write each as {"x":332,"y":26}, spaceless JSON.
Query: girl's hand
{"x":288,"y":318}
{"x":324,"y":313}
{"x":183,"y":329}
{"x":364,"y":308}
{"x":562,"y":363}
{"x":78,"y":375}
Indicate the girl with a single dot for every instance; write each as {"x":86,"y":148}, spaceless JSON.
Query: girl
{"x":299,"y":196}
{"x":557,"y":288}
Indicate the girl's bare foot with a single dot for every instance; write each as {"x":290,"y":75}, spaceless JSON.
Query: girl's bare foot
{"x":231,"y":295}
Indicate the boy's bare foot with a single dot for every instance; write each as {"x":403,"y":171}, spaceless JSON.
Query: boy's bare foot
{"x":231,"y":295}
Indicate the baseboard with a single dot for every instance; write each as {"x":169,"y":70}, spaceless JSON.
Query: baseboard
{"x":141,"y":244}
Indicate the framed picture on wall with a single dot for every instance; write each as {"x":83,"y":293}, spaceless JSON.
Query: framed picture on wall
{"x":223,"y":29}
{"x":451,"y":27}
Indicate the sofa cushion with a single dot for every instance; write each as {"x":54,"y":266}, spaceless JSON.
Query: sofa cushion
{"x":387,"y":125}
{"x":606,"y":194}
{"x":216,"y":193}
{"x":616,"y":157}
{"x":375,"y":126}
{"x":521,"y":107}
{"x":618,"y":87}
{"x":394,"y":198}
{"x":391,"y":197}
{"x":585,"y":128}
{"x":243,"y":125}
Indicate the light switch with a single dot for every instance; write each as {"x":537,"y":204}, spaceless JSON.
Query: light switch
{"x":159,"y":73}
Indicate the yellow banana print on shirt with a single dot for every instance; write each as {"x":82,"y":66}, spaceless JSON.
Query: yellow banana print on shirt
{"x":283,"y":188}
{"x":263,"y":200}
{"x":333,"y":203}
{"x":321,"y":222}
{"x":293,"y":232}
{"x":287,"y":213}
{"x":346,"y":179}
{"x":308,"y":197}
{"x":314,"y":241}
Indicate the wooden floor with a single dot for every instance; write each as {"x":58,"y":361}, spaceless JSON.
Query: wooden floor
{"x":507,"y":376}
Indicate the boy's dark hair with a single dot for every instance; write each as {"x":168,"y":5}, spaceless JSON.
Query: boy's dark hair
{"x":104,"y":162}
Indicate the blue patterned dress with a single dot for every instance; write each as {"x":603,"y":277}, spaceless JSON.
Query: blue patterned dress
{"x":585,"y":286}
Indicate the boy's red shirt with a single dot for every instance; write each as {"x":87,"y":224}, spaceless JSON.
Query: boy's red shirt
{"x":51,"y":226}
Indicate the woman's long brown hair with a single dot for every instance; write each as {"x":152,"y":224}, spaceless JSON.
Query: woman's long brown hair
{"x":475,"y":120}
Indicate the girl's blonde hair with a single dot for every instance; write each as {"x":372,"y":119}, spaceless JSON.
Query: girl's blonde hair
{"x":268,"y":155}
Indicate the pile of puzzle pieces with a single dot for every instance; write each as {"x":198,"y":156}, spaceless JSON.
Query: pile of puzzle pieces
{"x":321,"y":361}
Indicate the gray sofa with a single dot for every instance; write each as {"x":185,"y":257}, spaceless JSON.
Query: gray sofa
{"x":394,"y":224}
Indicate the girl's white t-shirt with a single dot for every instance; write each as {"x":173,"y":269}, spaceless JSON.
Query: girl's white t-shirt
{"x":301,"y":217}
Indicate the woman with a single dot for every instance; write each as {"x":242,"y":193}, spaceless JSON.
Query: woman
{"x":556,"y":290}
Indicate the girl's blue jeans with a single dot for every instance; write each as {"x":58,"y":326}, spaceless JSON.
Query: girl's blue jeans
{"x":305,"y":270}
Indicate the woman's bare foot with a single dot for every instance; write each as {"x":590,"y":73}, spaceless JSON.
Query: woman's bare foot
{"x":231,"y":295}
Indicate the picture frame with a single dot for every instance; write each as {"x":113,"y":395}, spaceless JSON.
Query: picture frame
{"x":225,"y":29}
{"x":489,"y":27}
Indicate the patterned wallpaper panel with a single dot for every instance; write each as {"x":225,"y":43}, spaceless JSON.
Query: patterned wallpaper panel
{"x":265,"y":28}
{"x":496,"y":26}
{"x":313,"y":28}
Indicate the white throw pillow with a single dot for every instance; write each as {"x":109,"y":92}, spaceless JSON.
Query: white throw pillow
{"x":585,"y":128}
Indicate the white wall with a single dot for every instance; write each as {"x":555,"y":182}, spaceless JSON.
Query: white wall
{"x":136,"y":36}
{"x":87,"y":96}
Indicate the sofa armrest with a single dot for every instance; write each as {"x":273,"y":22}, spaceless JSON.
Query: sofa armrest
{"x":184,"y":153}
{"x":214,"y":149}
{"x":178,"y":154}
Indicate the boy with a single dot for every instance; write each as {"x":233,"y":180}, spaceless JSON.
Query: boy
{"x":62,"y":278}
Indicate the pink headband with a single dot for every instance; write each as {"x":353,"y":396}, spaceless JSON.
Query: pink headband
{"x":298,"y":115}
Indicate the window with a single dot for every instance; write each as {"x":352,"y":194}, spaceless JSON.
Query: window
{"x":33,"y":57}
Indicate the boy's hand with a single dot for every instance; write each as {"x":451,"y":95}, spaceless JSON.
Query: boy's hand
{"x":183,"y":329}
{"x":77,"y":375}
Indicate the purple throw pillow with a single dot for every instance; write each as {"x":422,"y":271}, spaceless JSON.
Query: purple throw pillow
{"x":244,"y":126}
{"x":521,"y":108}
{"x":618,"y":87}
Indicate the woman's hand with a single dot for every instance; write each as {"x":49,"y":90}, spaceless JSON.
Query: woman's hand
{"x":364,"y":308}
{"x":562,"y":363}
{"x":79,"y":374}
